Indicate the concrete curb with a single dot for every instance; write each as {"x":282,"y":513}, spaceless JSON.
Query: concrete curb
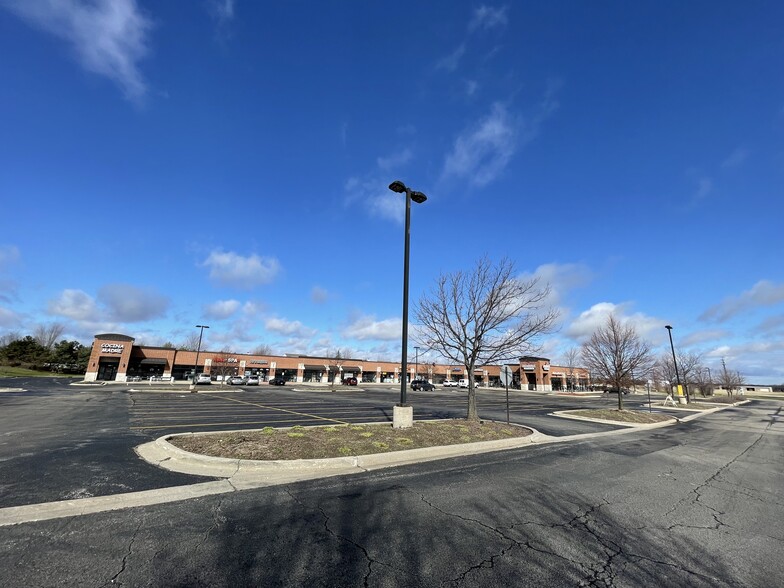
{"x":565,"y":414}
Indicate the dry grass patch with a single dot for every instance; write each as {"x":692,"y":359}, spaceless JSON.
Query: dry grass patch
{"x":332,"y":441}
{"x":623,"y":416}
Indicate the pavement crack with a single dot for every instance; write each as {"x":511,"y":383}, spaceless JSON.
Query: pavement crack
{"x":326,"y":519}
{"x":115,"y":580}
{"x":217,"y":521}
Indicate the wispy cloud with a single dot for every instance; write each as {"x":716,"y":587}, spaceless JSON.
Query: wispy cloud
{"x":452,"y":61}
{"x":366,"y":327}
{"x":735,"y":159}
{"x":73,"y":304}
{"x":318,"y":295}
{"x":596,"y":316}
{"x":232,"y":269}
{"x":110,"y":38}
{"x":487,"y":17}
{"x":289,"y":328}
{"x":481,"y":152}
{"x":115,"y":303}
{"x":763,"y":293}
{"x":9,"y":254}
{"x":704,"y":187}
{"x":395,"y":161}
{"x":221,"y":309}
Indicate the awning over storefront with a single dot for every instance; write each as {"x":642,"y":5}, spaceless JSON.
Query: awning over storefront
{"x":319,"y":367}
{"x":350,"y":368}
{"x":153,"y":361}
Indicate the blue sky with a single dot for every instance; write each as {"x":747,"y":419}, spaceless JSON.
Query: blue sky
{"x":167,"y":164}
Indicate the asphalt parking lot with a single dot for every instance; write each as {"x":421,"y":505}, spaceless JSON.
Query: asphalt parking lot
{"x":61,"y":442}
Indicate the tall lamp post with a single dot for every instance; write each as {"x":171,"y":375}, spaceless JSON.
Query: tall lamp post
{"x":404,"y":417}
{"x":198,"y":349}
{"x":675,"y":362}
{"x":416,"y":363}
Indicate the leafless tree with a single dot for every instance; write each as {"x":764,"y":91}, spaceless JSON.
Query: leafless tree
{"x":571,"y":358}
{"x":689,"y":365}
{"x":191,"y":342}
{"x":263,"y":349}
{"x":223,"y":365}
{"x":730,"y":380}
{"x":482,"y":317}
{"x":47,"y":335}
{"x":10,"y":337}
{"x":335,"y":367}
{"x":614,"y":351}
{"x":703,"y":381}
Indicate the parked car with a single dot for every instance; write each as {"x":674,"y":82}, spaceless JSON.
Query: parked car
{"x":252,"y":381}
{"x":277,"y":382}
{"x":349,"y":381}
{"x":462,"y":383}
{"x":236,"y":381}
{"x":422,"y":385}
{"x":203,"y":379}
{"x":449,"y":384}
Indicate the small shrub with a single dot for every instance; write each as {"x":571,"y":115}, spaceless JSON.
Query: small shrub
{"x":297,"y":428}
{"x":357,"y":428}
{"x":366,"y":434}
{"x":268,"y":431}
{"x":296,"y":435}
{"x":380,"y":445}
{"x":405,"y":441}
{"x":345,"y":450}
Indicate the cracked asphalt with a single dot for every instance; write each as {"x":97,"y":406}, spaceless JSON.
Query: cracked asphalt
{"x":697,"y":504}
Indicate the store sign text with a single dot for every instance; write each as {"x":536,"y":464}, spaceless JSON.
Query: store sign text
{"x":112,"y":348}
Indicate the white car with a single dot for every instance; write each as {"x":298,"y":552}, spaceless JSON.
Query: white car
{"x":449,"y":384}
{"x":203,"y":379}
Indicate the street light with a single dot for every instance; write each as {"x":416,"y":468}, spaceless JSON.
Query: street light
{"x":416,"y":363}
{"x":674,"y":361}
{"x":198,"y":349}
{"x":419,"y":198}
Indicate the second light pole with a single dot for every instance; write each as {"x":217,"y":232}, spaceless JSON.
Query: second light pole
{"x":675,"y":362}
{"x":403,"y":415}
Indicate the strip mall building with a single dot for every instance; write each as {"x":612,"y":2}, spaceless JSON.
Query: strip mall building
{"x":115,"y":358}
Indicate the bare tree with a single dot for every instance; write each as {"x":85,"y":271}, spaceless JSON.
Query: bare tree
{"x":47,"y":335}
{"x":571,"y":356}
{"x":730,"y":380}
{"x":191,"y":342}
{"x":614,"y":351}
{"x":703,"y":380}
{"x":10,"y":337}
{"x":689,"y":365}
{"x":263,"y":349}
{"x":483,"y":317}
{"x":335,"y":366}
{"x":223,"y":365}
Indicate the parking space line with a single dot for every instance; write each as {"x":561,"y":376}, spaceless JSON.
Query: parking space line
{"x":279,"y":409}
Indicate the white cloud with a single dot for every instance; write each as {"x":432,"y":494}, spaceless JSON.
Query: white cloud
{"x":288,"y":328}
{"x":74,"y":304}
{"x":374,"y":194}
{"x":451,"y":61}
{"x":367,"y":327}
{"x":109,"y":37}
{"x":735,"y":159}
{"x":319,"y":295}
{"x":763,"y":293}
{"x":221,"y":309}
{"x":232,"y":269}
{"x":471,"y":87}
{"x":394,"y":161}
{"x":595,"y":317}
{"x":562,"y":279}
{"x":9,"y":254}
{"x":9,"y":319}
{"x":128,"y":304}
{"x":699,"y":337}
{"x":481,"y":152}
{"x":222,"y":10}
{"x":486,"y":18}
{"x":704,"y":187}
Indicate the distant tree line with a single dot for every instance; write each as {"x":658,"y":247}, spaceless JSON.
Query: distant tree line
{"x":41,"y":351}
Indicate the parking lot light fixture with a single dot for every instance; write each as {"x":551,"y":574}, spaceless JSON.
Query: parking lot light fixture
{"x":675,"y":362}
{"x":198,"y":349}
{"x":418,"y":197}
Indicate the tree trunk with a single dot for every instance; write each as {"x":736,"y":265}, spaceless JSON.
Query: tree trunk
{"x":472,"y":413}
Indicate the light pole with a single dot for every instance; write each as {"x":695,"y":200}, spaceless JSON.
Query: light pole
{"x":419,"y":198}
{"x":416,"y":363}
{"x":675,"y":362}
{"x":198,"y":349}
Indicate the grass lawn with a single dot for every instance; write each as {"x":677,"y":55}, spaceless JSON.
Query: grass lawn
{"x":623,"y":416}
{"x":343,"y":440}
{"x":13,"y":372}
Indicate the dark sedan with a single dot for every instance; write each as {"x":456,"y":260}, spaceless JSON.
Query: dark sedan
{"x":277,"y":382}
{"x":422,"y":385}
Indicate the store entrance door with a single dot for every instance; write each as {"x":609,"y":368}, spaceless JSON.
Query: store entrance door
{"x":108,"y":371}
